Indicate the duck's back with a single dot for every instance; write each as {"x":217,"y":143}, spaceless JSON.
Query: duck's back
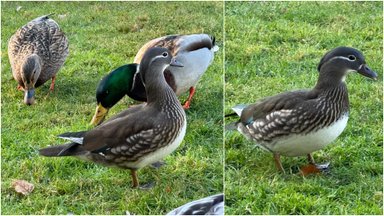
{"x":178,"y":43}
{"x":41,"y":36}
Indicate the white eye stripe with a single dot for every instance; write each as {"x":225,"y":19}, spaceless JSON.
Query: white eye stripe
{"x":341,"y":57}
{"x":156,"y":58}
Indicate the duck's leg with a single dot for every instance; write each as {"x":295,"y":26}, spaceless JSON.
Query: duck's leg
{"x":19,"y":87}
{"x":310,"y":159}
{"x":52,"y":86}
{"x":158,"y":164}
{"x":187,"y":103}
{"x":313,"y":168}
{"x":135,"y":180}
{"x":276,"y":157}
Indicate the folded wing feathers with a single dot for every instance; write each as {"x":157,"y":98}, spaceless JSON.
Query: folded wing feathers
{"x":239,"y":108}
{"x":76,"y":137}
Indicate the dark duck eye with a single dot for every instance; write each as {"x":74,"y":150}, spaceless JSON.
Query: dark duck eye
{"x":165,"y":54}
{"x":352,"y":57}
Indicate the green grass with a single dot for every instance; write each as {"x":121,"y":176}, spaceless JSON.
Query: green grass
{"x":103,"y":36}
{"x":272,"y":47}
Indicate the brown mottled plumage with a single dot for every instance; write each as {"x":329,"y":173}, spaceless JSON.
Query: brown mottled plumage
{"x":36,"y":52}
{"x":140,"y":135}
{"x":298,"y":123}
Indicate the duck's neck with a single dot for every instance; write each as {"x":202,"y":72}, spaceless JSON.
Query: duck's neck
{"x":333,"y":91}
{"x":160,"y":94}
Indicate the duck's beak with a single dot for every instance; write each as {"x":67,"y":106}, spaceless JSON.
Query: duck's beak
{"x":175,"y":63}
{"x":99,"y":115}
{"x":29,"y":96}
{"x":366,"y":71}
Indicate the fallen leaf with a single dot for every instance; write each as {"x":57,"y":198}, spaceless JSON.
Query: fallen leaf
{"x":378,"y":195}
{"x":309,"y":169}
{"x":23,"y":187}
{"x":168,"y":189}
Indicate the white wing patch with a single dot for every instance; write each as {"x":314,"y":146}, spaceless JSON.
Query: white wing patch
{"x":78,"y":140}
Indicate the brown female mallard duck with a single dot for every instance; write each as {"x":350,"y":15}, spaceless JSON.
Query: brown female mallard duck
{"x":36,"y":52}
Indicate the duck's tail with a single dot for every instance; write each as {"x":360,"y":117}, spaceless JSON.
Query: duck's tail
{"x":69,"y":149}
{"x":215,"y":48}
{"x":238,"y":109}
{"x":42,"y":18}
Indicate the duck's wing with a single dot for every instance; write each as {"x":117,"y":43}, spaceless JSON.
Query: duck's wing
{"x":130,"y":111}
{"x":134,"y":134}
{"x":283,"y":101}
{"x":278,"y":115}
{"x":168,"y":42}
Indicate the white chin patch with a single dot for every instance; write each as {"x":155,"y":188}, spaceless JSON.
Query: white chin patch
{"x":343,"y":78}
{"x":346,"y":73}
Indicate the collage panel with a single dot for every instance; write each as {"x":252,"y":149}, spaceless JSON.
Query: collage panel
{"x":277,"y":157}
{"x":191,"y":108}
{"x":172,"y":155}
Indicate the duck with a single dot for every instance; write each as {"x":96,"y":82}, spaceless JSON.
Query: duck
{"x":139,"y":135}
{"x":212,"y":205}
{"x":194,"y":51}
{"x":36,"y":53}
{"x":297,"y":123}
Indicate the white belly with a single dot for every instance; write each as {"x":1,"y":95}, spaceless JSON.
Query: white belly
{"x":299,"y":145}
{"x":162,"y":152}
{"x":195,"y":64}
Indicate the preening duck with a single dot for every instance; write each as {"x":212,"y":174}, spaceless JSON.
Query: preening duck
{"x":195,"y":52}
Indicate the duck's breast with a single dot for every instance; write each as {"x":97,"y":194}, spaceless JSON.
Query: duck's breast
{"x":195,"y":64}
{"x":302,"y":144}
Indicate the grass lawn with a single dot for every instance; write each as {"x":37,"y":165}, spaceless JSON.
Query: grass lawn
{"x":272,"y":47}
{"x":103,"y":36}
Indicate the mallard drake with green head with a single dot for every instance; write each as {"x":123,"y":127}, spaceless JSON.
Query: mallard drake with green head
{"x":140,"y":135}
{"x":195,"y":52}
{"x":298,"y":123}
{"x":115,"y":86}
{"x":36,"y":52}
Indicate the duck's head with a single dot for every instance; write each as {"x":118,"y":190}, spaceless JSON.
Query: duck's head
{"x":339,"y":62}
{"x":111,"y":89}
{"x":30,"y":72}
{"x":153,"y":64}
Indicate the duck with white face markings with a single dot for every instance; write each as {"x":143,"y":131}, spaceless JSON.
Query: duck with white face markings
{"x":297,"y":123}
{"x":140,"y":135}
